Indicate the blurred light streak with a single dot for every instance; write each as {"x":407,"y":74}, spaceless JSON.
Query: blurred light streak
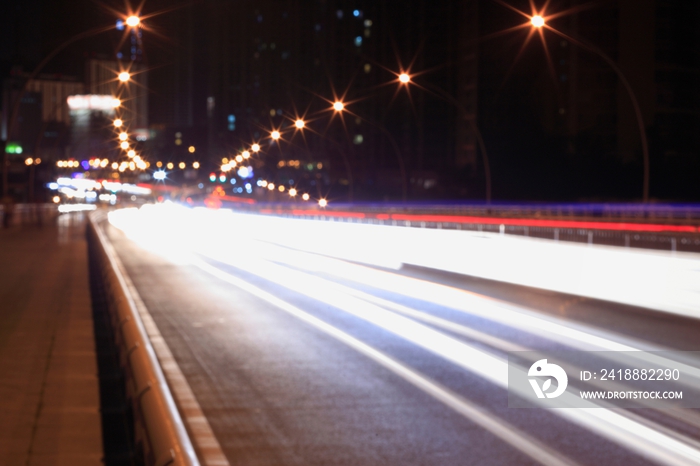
{"x":208,"y":232}
{"x":65,"y":208}
{"x":612,"y":226}
{"x":483,"y":364}
{"x":651,"y":279}
{"x":484,"y":419}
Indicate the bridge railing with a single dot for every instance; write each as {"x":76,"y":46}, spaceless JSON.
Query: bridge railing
{"x":159,"y":430}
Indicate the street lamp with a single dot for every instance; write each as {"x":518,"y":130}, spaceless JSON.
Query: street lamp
{"x":404,"y":78}
{"x":124,"y":76}
{"x":275,"y":135}
{"x":537,"y":21}
{"x":338,"y":106}
{"x":299,"y":124}
{"x":118,"y":123}
{"x":133,"y":21}
{"x":255,"y":147}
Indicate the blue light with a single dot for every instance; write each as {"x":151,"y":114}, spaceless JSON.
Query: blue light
{"x":356,"y":13}
{"x":233,"y":181}
{"x":245,"y":172}
{"x":200,"y":186}
{"x":85,"y":164}
{"x":53,"y":186}
{"x":120,"y":25}
{"x":358,"y":41}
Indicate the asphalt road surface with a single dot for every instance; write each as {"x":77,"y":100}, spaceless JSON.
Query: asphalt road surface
{"x":297,"y":358}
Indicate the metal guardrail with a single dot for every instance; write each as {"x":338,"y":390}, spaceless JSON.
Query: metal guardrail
{"x":610,"y":212}
{"x":159,"y":430}
{"x":676,"y":236}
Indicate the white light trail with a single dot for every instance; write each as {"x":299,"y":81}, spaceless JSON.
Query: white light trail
{"x":627,"y":432}
{"x":501,"y":429}
{"x":210,"y":233}
{"x":66,"y":208}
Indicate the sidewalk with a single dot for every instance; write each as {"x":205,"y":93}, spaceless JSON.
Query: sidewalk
{"x":49,"y":388}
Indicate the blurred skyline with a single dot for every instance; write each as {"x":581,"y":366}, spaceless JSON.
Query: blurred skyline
{"x":556,"y":122}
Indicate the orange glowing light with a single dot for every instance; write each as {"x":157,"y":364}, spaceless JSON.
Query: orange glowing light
{"x":537,"y":21}
{"x":133,"y":21}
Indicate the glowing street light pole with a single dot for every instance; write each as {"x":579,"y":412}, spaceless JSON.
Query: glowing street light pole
{"x":440,"y":93}
{"x":338,"y":107}
{"x":538,"y":21}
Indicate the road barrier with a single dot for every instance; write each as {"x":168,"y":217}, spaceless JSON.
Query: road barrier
{"x":160,"y":434}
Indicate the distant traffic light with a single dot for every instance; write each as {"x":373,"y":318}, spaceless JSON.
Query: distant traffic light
{"x":212,"y":177}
